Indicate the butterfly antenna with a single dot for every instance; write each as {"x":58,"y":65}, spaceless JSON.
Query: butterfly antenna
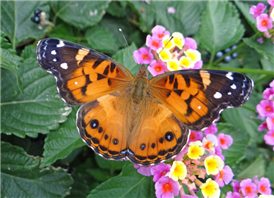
{"x":166,"y":44}
{"x":127,"y":43}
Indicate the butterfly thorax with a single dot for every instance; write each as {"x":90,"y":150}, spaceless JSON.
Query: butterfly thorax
{"x":139,"y":89}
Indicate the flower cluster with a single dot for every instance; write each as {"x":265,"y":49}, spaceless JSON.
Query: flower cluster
{"x":201,"y":158}
{"x":264,"y":21}
{"x":266,"y":112}
{"x":168,"y":53}
{"x":251,"y":188}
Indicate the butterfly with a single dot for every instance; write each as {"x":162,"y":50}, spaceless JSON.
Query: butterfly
{"x":146,"y":121}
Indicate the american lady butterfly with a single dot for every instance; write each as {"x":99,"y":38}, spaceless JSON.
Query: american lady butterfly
{"x":145,"y":121}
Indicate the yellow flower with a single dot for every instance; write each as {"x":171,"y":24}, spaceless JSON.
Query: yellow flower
{"x":186,"y":62}
{"x":210,"y":189}
{"x":178,"y":171}
{"x":195,"y":150}
{"x":167,"y":42}
{"x":193,"y":54}
{"x":213,"y":164}
{"x":173,"y":65}
{"x":272,"y":14}
{"x":165,"y":55}
{"x":266,"y":196}
{"x":178,"y":39}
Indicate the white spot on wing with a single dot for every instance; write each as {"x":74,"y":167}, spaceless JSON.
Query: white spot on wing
{"x":53,"y":52}
{"x":61,"y":44}
{"x":233,"y":86}
{"x":76,"y":82}
{"x":229,"y":76}
{"x":64,"y":65}
{"x":217,"y":95}
{"x":54,"y":60}
{"x":199,"y":107}
{"x":229,"y":93}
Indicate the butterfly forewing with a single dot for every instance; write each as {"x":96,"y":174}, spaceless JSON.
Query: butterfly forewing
{"x":197,"y":97}
{"x":82,"y":74}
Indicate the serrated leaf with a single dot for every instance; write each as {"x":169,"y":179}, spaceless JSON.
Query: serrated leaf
{"x":38,"y":110}
{"x":16,"y":23}
{"x":115,"y":9}
{"x":146,"y":14}
{"x":101,"y":40}
{"x":128,"y":184}
{"x":63,"y":31}
{"x":80,"y":14}
{"x":255,"y":168}
{"x":265,"y":49}
{"x":186,"y":19}
{"x":245,"y":7}
{"x":221,"y":26}
{"x":125,"y":57}
{"x":80,"y":188}
{"x":242,"y":118}
{"x":22,"y":174}
{"x":237,"y":151}
{"x":109,"y":164}
{"x":60,"y":143}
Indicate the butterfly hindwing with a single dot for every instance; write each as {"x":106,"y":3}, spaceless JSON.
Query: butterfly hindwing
{"x":82,"y":74}
{"x":197,"y":97}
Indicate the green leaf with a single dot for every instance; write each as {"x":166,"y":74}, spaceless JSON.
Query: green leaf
{"x":80,"y":187}
{"x":39,"y":109}
{"x":125,"y":57}
{"x":244,"y":8}
{"x":255,"y":168}
{"x":265,"y":49}
{"x":63,"y":31}
{"x":128,"y":184}
{"x":269,"y":172}
{"x":16,"y":23}
{"x":115,"y":9}
{"x":80,"y":14}
{"x":60,"y":143}
{"x":237,"y":151}
{"x":186,"y":19}
{"x":221,"y":26}
{"x":21,"y":173}
{"x":242,"y":118}
{"x":101,"y":40}
{"x":109,"y":164}
{"x":146,"y":14}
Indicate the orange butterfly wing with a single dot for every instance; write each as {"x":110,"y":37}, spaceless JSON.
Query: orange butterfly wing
{"x":82,"y":74}
{"x":197,"y":97}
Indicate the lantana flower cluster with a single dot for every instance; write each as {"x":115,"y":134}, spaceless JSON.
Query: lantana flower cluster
{"x":266,"y":113}
{"x":201,"y":159}
{"x":264,"y":21}
{"x":166,"y":52}
{"x":251,"y":188}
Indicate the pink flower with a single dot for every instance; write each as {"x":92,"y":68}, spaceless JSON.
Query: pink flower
{"x":195,"y":136}
{"x":224,"y":176}
{"x":248,"y":188}
{"x":159,"y":31}
{"x":190,"y":43}
{"x":198,"y":65}
{"x":153,"y":42}
{"x":166,"y":187}
{"x":235,"y":185}
{"x":269,"y":137}
{"x":210,"y":141}
{"x":233,"y":195}
{"x":225,"y":140}
{"x":143,"y":56}
{"x":264,"y":186}
{"x":268,"y":93}
{"x":160,"y":170}
{"x":157,"y":67}
{"x":271,"y":84}
{"x":270,"y":123}
{"x":146,"y":171}
{"x":257,"y":10}
{"x":270,"y":2}
{"x":265,"y":108}
{"x":211,"y":129}
{"x":171,"y":10}
{"x":218,"y":151}
{"x":262,"y":126}
{"x":264,"y":22}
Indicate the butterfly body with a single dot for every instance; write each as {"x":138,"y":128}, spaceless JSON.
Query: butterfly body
{"x":146,"y":121}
